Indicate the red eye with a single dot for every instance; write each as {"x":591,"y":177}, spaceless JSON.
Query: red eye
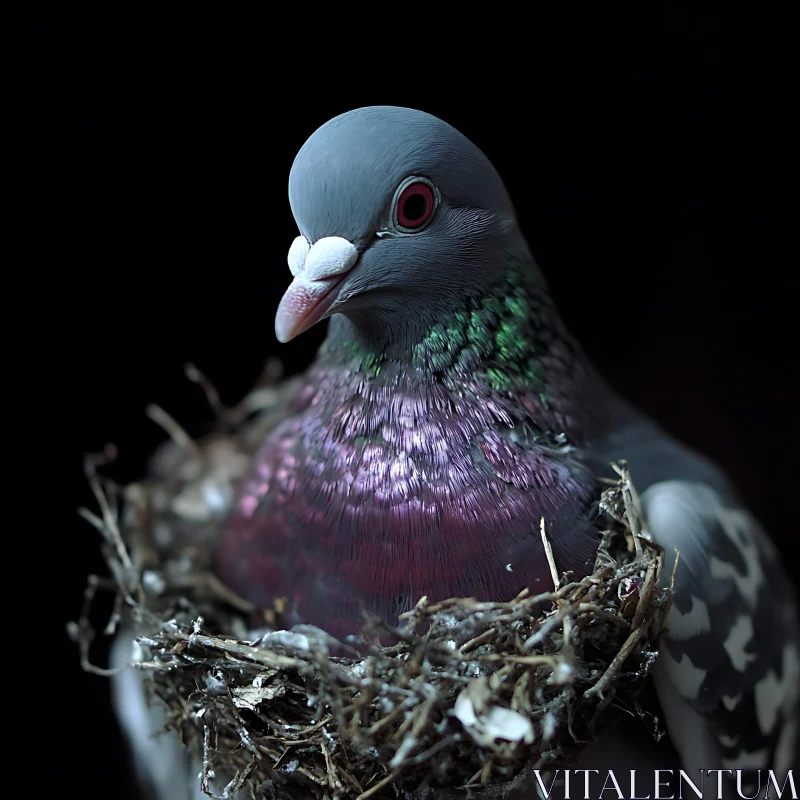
{"x":415,"y":205}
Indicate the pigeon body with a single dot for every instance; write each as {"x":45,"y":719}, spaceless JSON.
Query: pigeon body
{"x":427,"y":471}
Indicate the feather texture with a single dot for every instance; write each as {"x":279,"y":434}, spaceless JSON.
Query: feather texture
{"x":393,"y":480}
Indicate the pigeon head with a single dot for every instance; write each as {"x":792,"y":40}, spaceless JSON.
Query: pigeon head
{"x":400,"y":216}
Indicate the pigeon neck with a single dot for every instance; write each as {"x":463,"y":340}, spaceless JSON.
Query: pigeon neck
{"x":498,"y":330}
{"x":505,"y":348}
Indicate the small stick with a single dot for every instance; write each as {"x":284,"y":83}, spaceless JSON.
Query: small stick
{"x":567,"y":650}
{"x":619,"y":659}
{"x":116,"y":616}
{"x":108,"y":527}
{"x":330,"y":769}
{"x":632,"y":505}
{"x":570,"y":726}
{"x":85,"y":631}
{"x":532,"y":661}
{"x":379,"y":785}
{"x":550,"y":558}
{"x":174,"y":430}
{"x":674,"y":570}
{"x":237,"y":782}
{"x":421,"y":758}
{"x":592,"y":608}
{"x":477,"y":641}
{"x":256,"y":654}
{"x":218,"y":588}
{"x":206,"y":771}
{"x":645,"y":594}
{"x":209,"y":390}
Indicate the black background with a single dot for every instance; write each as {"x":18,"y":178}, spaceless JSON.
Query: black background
{"x":149,"y":156}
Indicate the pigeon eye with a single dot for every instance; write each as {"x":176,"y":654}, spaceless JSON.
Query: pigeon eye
{"x":415,"y":201}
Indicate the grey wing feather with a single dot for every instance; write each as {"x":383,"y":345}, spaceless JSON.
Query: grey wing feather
{"x":728,"y":677}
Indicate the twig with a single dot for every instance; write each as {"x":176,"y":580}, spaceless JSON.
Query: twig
{"x":174,"y":430}
{"x":632,"y":505}
{"x":550,"y":558}
{"x":645,"y":593}
{"x":619,"y":659}
{"x":85,"y":632}
{"x":210,"y":391}
{"x":108,"y":527}
{"x":392,"y":776}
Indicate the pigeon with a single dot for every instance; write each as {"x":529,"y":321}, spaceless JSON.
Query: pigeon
{"x":446,"y":412}
{"x":449,"y":410}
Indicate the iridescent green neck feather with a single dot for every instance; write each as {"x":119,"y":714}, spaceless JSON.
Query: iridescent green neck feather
{"x":499,"y":338}
{"x":493,"y":338}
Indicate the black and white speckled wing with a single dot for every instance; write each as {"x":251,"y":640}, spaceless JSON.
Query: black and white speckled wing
{"x":728,"y":676}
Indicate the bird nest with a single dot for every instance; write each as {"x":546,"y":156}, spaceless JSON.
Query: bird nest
{"x":489,"y":692}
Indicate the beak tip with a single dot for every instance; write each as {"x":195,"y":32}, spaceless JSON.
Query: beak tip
{"x":282,"y":332}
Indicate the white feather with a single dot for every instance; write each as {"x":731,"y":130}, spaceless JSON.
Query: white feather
{"x":696,"y":620}
{"x":329,"y":256}
{"x":735,"y":644}
{"x":297,"y":255}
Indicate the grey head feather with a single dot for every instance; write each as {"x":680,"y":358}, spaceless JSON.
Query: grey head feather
{"x":342,"y":184}
{"x":343,"y":177}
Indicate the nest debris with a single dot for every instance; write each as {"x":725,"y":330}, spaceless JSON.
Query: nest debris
{"x":491,"y":690}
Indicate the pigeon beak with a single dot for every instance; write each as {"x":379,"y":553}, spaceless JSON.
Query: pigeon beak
{"x":319,"y":271}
